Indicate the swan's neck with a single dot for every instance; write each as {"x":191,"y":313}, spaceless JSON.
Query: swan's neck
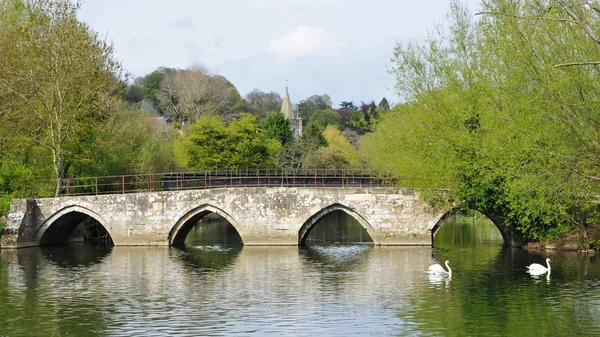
{"x":448,"y":267}
{"x":548,"y":265}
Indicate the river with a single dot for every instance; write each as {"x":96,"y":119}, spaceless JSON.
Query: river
{"x":324,"y":289}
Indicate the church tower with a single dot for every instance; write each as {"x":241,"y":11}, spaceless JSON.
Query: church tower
{"x":288,"y":112}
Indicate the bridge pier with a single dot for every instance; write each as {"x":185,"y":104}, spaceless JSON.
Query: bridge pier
{"x":261,"y":215}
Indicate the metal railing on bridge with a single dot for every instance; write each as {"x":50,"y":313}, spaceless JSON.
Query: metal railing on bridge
{"x":251,"y":177}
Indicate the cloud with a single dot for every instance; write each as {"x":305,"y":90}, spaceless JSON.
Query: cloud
{"x":185,"y":23}
{"x":303,"y":41}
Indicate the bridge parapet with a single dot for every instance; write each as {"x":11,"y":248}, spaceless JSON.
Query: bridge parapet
{"x":223,"y":178}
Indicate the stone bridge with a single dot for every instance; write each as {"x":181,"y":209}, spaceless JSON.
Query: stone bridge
{"x":260,"y":215}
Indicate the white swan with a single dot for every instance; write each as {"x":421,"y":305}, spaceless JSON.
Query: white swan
{"x":538,"y":269}
{"x":438,"y":269}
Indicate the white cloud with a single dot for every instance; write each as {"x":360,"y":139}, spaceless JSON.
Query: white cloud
{"x":339,"y":47}
{"x":303,"y":41}
{"x":184,"y":23}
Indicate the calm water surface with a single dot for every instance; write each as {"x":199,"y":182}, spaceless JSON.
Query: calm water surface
{"x":326,"y":290}
{"x":276,"y":291}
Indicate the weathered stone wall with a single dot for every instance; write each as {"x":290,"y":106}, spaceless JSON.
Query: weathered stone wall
{"x":262,"y":216}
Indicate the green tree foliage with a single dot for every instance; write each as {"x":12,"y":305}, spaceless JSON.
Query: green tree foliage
{"x":348,"y":105}
{"x":383,"y":104}
{"x":211,"y":143}
{"x":361,"y":119}
{"x":308,"y":106}
{"x":488,"y":114}
{"x":129,"y":142}
{"x":22,"y":166}
{"x":150,"y":83}
{"x":313,"y":133}
{"x":337,"y":154}
{"x":134,"y":94}
{"x":57,"y":78}
{"x":296,"y":154}
{"x":276,"y":126}
{"x":364,"y":119}
{"x":323,"y":118}
{"x":317,"y":109}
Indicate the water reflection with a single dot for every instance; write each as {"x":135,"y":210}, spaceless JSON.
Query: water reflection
{"x":275,"y":291}
{"x":76,"y":254}
{"x":467,"y":228}
{"x":337,"y":257}
{"x":337,"y":227}
{"x":212,"y":229}
{"x":439,"y":279}
{"x":212,"y":257}
{"x":539,"y":277}
{"x":209,"y":288}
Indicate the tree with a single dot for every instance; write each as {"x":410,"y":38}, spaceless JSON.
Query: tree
{"x":150,"y":85}
{"x":57,"y":78}
{"x":384,"y":105}
{"x":129,"y":142}
{"x":347,"y":111}
{"x":262,"y":103}
{"x":277,"y":127}
{"x":581,"y":14}
{"x":365,"y":119}
{"x":348,"y":105}
{"x":308,"y":106}
{"x":186,"y":95}
{"x":296,"y":153}
{"x":327,"y":117}
{"x":370,"y":113}
{"x":314,"y":134}
{"x":337,"y":154}
{"x":210,"y":143}
{"x":134,"y":94}
{"x":490,"y":116}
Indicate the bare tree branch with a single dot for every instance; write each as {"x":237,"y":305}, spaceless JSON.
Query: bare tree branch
{"x":526,"y":17}
{"x":580,"y":21}
{"x":582,"y":63}
{"x":188,"y":94}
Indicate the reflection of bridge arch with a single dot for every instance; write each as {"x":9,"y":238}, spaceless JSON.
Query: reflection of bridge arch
{"x":313,"y":219}
{"x":58,"y":227}
{"x":505,"y":231}
{"x":186,"y":222}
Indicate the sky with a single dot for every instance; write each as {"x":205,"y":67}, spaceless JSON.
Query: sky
{"x":342,"y":48}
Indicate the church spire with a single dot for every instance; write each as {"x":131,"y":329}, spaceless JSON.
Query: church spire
{"x":286,"y":107}
{"x":288,"y":111}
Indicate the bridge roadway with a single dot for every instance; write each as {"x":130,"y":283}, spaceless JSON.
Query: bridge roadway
{"x":262,"y":215}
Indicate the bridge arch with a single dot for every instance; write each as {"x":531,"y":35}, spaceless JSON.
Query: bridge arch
{"x":505,"y":231}
{"x":59,"y":226}
{"x":313,"y":219}
{"x":185,"y":223}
